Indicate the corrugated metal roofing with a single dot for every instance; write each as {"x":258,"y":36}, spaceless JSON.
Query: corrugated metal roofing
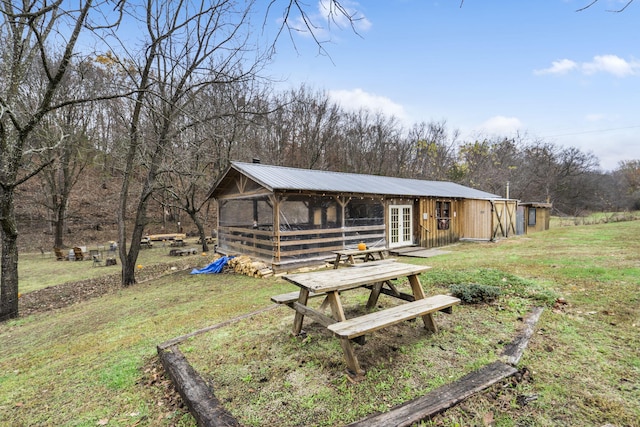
{"x":291,"y":179}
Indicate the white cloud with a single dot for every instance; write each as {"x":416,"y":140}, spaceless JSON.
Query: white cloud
{"x":609,"y":64}
{"x":562,"y":66}
{"x":501,"y":125}
{"x":357,"y":98}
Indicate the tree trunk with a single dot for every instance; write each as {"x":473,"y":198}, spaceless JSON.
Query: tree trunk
{"x":201,"y":232}
{"x":61,"y":212}
{"x":129,"y":262}
{"x":129,"y":258}
{"x":9,"y":263}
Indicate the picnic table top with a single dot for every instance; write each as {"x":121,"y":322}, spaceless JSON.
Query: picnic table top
{"x":347,"y":252}
{"x":343,"y":279}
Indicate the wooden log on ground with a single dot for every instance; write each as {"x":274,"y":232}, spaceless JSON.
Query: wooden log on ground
{"x":439,"y":399}
{"x":195,"y":393}
{"x":265,"y":272}
{"x":514,"y":350}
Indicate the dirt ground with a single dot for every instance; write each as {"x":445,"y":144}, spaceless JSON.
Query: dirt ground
{"x":63,"y":295}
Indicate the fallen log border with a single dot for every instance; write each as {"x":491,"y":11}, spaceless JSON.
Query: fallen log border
{"x":197,"y":395}
{"x":208,"y":412}
{"x":440,"y":399}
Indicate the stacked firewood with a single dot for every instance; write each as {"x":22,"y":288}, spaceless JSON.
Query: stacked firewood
{"x":245,"y":265}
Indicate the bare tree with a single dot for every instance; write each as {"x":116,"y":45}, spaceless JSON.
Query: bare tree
{"x":215,"y":123}
{"x":627,"y":183}
{"x":187,"y":47}
{"x":433,"y":151}
{"x":76,"y":150}
{"x":618,"y":10}
{"x":296,"y":19}
{"x":27,"y":54}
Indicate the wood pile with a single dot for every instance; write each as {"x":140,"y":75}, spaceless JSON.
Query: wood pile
{"x":245,"y":265}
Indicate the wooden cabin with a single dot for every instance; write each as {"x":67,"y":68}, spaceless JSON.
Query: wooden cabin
{"x":288,"y":215}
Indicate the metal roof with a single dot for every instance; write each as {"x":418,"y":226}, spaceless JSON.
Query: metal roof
{"x":293,"y":179}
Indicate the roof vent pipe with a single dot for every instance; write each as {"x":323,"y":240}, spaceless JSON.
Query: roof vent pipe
{"x":507,"y":196}
{"x":255,"y":160}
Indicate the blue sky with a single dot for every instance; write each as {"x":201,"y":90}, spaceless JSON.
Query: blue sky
{"x":486,"y":68}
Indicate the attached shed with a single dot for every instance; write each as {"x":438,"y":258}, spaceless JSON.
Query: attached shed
{"x":287,"y":215}
{"x":533,"y":217}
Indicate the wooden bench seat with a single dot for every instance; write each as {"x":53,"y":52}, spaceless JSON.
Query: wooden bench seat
{"x":291,"y":297}
{"x":358,"y":326}
{"x":181,"y":252}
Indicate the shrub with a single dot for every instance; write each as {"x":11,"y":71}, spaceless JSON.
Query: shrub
{"x":474,"y":293}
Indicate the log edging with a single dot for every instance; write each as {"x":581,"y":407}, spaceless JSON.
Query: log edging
{"x":208,"y":412}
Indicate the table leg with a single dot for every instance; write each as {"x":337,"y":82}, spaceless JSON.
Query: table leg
{"x":299,"y":317}
{"x":336,"y":263}
{"x":336,"y":306}
{"x":416,"y":287}
{"x":418,"y":293}
{"x":347,"y":347}
{"x":324,"y":305}
{"x":375,"y":293}
{"x":350,"y":357}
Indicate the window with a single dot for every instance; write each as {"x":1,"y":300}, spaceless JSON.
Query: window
{"x":443,"y":215}
{"x":532,"y":217}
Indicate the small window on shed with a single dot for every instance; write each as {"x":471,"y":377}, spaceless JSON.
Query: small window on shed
{"x":532,"y":217}
{"x":443,"y":212}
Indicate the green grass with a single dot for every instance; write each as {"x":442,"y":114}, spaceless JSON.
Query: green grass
{"x":88,"y":364}
{"x":37,"y":271}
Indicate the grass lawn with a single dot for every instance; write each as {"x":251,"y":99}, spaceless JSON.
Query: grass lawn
{"x":91,"y":363}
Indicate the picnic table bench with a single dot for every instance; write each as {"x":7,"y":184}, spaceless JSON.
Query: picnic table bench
{"x":146,"y":242}
{"x":181,"y":252}
{"x":350,"y":255}
{"x":330,"y":283}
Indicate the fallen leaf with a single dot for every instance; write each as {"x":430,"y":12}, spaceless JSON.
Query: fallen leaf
{"x":487,"y":419}
{"x":103,"y":422}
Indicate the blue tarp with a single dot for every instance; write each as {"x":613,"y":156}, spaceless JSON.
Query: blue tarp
{"x":215,"y":267}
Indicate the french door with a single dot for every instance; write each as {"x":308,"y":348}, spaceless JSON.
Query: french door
{"x":400,"y":225}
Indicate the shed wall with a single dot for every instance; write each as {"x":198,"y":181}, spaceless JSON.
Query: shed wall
{"x":542,"y":218}
{"x":477,"y":220}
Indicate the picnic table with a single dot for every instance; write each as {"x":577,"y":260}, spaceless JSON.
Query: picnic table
{"x":330,"y":283}
{"x":181,"y":252}
{"x":177,"y":242}
{"x":350,"y":255}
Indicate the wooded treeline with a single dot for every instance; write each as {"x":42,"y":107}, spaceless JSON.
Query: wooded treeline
{"x":305,"y":128}
{"x":160,"y":96}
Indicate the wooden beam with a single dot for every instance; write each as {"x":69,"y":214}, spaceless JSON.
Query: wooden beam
{"x":514,"y":350}
{"x":439,"y":399}
{"x":314,"y":314}
{"x":196,"y":394}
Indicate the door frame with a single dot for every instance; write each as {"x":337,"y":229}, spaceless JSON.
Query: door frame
{"x":400,"y":226}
